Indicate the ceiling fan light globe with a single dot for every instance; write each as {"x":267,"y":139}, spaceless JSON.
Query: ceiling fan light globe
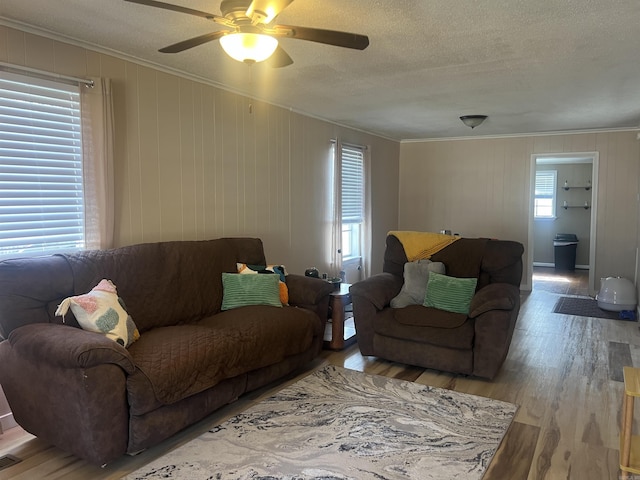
{"x":249,"y":47}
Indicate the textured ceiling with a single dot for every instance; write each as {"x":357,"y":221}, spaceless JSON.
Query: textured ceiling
{"x":532,"y":66}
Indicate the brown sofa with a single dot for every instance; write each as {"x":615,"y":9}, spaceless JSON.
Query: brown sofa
{"x":88,"y":395}
{"x":474,"y":344}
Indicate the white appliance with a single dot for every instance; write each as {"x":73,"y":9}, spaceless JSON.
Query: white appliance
{"x":616,"y":294}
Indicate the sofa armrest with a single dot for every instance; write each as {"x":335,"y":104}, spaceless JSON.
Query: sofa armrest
{"x":495,"y":296}
{"x":495,"y":309}
{"x":369,"y":297}
{"x":68,"y":347}
{"x":68,"y":386}
{"x":378,"y":289}
{"x":307,"y":290}
{"x":311,"y":294}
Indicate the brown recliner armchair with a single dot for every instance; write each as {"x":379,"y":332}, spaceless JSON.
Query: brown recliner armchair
{"x":475,"y":343}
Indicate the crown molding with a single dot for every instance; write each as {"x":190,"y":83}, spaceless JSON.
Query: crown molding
{"x":24,"y":27}
{"x":519,"y":135}
{"x":162,"y":68}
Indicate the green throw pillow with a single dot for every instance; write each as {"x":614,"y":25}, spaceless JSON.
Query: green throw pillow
{"x":450,"y":293}
{"x":242,"y":290}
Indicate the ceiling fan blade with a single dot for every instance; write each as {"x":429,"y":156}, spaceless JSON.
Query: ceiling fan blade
{"x":189,"y":11}
{"x":264,"y":11}
{"x":279,"y":58}
{"x":329,"y":37}
{"x":192,"y":42}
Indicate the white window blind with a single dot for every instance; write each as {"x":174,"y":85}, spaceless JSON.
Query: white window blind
{"x":41,"y":188}
{"x":545,"y":193}
{"x":352,"y":184}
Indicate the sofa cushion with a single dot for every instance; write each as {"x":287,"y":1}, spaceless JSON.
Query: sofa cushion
{"x":416,"y":277}
{"x":459,"y":334}
{"x":179,"y":361}
{"x":242,"y":290}
{"x":463,"y":258}
{"x":450,"y":293}
{"x":421,"y":316}
{"x":184,"y":287}
{"x":31,"y":289}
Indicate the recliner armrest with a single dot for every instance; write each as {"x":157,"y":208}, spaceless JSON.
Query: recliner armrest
{"x":68,"y":347}
{"x":495,"y":296}
{"x":378,"y":289}
{"x":307,"y":290}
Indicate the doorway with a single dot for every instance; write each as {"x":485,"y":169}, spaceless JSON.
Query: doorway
{"x":575,"y":211}
{"x":547,"y":279}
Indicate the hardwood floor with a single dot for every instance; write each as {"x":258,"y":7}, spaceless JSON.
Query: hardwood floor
{"x":565,"y":373}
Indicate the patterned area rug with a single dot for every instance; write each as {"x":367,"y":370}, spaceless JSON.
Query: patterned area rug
{"x":343,"y":424}
{"x":585,"y":307}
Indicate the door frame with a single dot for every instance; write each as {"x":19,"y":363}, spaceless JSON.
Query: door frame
{"x":567,"y":158}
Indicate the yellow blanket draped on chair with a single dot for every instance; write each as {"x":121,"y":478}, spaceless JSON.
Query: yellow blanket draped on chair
{"x":420,"y":245}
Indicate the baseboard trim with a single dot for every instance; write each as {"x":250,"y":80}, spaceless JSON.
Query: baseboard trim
{"x":553,"y":265}
{"x":7,"y":421}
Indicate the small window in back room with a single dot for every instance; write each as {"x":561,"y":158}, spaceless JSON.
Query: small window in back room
{"x":544,"y":205}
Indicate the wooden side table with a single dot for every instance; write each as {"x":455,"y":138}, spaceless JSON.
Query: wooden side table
{"x":339,"y":299}
{"x":629,"y":444}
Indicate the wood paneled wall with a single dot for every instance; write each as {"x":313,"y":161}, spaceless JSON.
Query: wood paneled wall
{"x":196,"y":162}
{"x":482,"y":187}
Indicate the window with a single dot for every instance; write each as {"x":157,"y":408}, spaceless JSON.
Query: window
{"x":545,"y":194}
{"x":41,"y":177}
{"x":352,"y":192}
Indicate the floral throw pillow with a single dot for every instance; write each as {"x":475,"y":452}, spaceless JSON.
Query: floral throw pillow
{"x":102,"y":311}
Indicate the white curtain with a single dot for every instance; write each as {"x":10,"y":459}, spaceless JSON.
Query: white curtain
{"x":97,"y":154}
{"x":367,"y":227}
{"x":336,"y":230}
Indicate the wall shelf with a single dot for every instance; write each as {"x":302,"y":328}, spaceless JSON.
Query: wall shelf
{"x":569,"y":187}
{"x":586,"y":207}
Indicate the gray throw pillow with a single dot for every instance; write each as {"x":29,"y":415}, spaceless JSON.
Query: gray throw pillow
{"x":416,"y":277}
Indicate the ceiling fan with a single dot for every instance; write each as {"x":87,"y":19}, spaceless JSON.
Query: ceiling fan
{"x":251,"y":36}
